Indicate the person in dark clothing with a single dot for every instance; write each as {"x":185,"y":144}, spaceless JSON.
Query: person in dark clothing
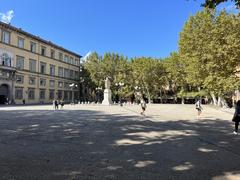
{"x":236,"y":117}
{"x":56,"y":104}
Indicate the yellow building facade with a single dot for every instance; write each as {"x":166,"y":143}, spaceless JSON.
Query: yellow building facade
{"x":33,"y":70}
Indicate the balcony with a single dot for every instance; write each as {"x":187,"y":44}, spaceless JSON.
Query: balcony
{"x":7,"y":68}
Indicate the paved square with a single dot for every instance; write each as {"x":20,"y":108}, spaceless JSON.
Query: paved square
{"x":102,"y":142}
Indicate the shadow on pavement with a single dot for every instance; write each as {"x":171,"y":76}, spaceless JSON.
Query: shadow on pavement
{"x":81,"y":144}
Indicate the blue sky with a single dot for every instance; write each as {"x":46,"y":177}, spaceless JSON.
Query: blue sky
{"x":129,"y":27}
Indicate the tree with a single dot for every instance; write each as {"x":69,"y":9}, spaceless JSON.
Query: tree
{"x":210,"y":48}
{"x":111,"y":65}
{"x":148,"y":74}
{"x":212,"y":4}
{"x":175,"y":70}
{"x":93,"y":66}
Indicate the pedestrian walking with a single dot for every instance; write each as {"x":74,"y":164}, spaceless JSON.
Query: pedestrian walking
{"x":56,"y":104}
{"x":236,"y":117}
{"x":199,"y":108}
{"x":143,"y":106}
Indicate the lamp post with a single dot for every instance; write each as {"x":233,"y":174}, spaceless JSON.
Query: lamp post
{"x":119,"y":86}
{"x":98,"y":89}
{"x":72,"y":87}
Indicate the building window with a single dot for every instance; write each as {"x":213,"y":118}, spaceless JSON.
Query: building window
{"x":33,"y":47}
{"x":60,"y":56}
{"x":66,"y":93}
{"x":71,"y":74}
{"x":20,"y":42}
{"x":19,"y":79}
{"x":60,"y":71}
{"x":31,"y":93}
{"x":60,"y":84}
{"x":71,"y":60}
{"x":76,"y":75}
{"x":20,"y":62}
{"x":42,"y":94}
{"x":66,"y":58}
{"x":52,"y":53}
{"x":32,"y":65}
{"x":76,"y":62}
{"x":66,"y":73}
{"x":31,"y":80}
{"x":51,"y":94}
{"x":42,"y":68}
{"x":59,"y":94}
{"x":6,"y":59}
{"x":18,"y":93}
{"x":43,"y":51}
{"x":52,"y":83}
{"x":42,"y":82}
{"x":6,"y":37}
{"x":52,"y":70}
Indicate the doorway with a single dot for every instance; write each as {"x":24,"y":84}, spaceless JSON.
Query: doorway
{"x":4,"y":94}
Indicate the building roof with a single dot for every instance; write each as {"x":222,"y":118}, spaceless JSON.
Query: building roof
{"x":19,"y":30}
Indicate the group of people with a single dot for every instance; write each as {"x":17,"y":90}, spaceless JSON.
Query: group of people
{"x":56,"y":103}
{"x":235,"y":119}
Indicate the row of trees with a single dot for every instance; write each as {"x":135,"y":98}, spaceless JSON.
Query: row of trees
{"x":206,"y":64}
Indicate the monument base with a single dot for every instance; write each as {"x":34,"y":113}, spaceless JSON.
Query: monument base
{"x":107,"y":100}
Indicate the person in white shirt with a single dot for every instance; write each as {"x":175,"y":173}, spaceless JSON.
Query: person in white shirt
{"x":198,"y":107}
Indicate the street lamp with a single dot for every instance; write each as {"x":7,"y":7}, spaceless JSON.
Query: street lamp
{"x":119,"y":87}
{"x":72,"y":86}
{"x":98,"y":89}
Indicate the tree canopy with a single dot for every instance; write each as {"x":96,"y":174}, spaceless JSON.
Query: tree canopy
{"x":212,"y":4}
{"x":209,"y":46}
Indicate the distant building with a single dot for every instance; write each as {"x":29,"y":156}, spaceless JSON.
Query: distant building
{"x":35,"y":70}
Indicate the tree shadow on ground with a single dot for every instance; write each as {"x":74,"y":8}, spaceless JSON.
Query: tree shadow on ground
{"x":81,"y":144}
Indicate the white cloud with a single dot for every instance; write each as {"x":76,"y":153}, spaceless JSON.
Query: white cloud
{"x":6,"y":17}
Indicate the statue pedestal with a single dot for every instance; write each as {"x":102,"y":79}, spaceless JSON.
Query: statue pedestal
{"x":107,"y":100}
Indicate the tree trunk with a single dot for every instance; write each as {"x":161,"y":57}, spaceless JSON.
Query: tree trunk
{"x":149,"y":97}
{"x":222,"y":102}
{"x":182,"y":100}
{"x":161,"y":96}
{"x":214,"y":98}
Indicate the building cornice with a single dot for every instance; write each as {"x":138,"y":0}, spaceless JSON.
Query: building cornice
{"x":19,"y":30}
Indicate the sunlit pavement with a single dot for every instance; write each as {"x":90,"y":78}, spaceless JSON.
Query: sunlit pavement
{"x":113,"y":142}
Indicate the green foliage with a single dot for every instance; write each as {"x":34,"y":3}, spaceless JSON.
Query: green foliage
{"x":175,"y":72}
{"x":194,"y":94}
{"x":207,"y":61}
{"x":111,"y":65}
{"x":212,"y":4}
{"x":210,"y":48}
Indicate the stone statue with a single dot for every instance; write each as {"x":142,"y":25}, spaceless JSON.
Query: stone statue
{"x":107,"y":83}
{"x":107,"y":93}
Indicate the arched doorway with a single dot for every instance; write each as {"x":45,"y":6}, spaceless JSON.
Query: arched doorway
{"x":4,"y":93}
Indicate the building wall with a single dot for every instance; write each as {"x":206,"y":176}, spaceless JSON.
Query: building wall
{"x":26,"y":73}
